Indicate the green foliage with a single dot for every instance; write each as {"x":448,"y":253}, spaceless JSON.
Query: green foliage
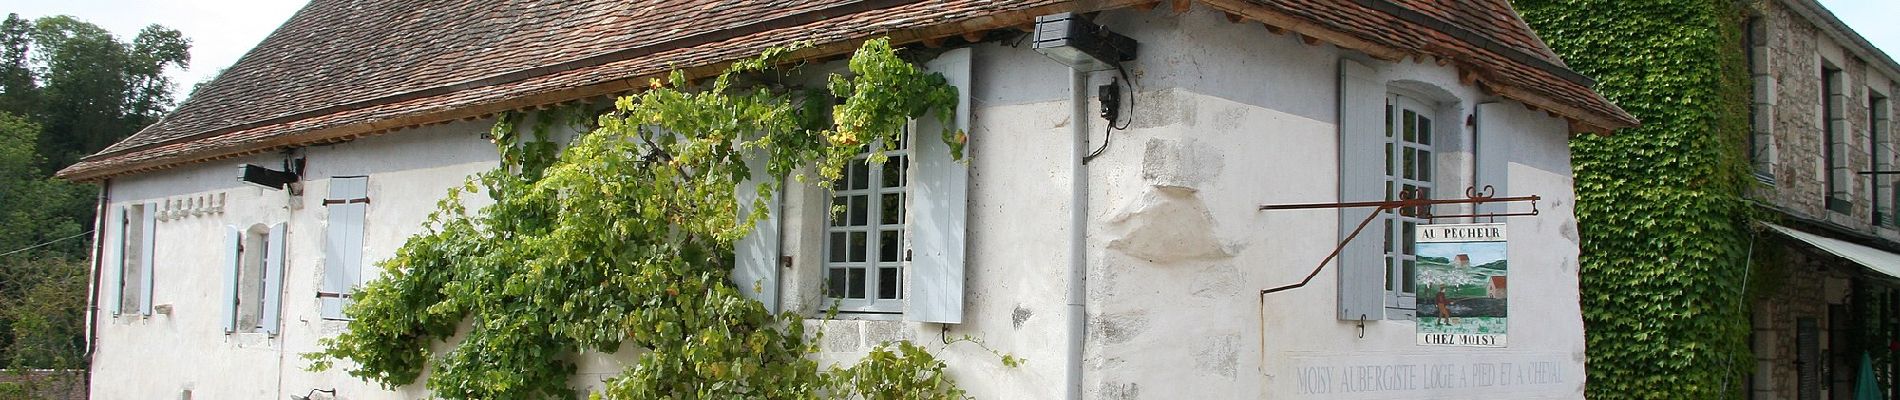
{"x":35,"y":209}
{"x":86,"y":88}
{"x":1662,"y":217}
{"x":625,"y":239}
{"x":48,"y":319}
{"x":67,"y":88}
{"x":42,"y":289}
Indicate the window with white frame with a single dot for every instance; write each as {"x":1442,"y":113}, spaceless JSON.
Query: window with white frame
{"x":253,"y":278}
{"x":1408,"y":174}
{"x":250,"y":275}
{"x":865,"y":240}
{"x":138,"y":224}
{"x":891,"y":236}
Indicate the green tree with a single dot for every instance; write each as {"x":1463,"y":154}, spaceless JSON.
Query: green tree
{"x":85,"y":87}
{"x":1660,"y":209}
{"x":44,"y":286}
{"x":67,"y":89}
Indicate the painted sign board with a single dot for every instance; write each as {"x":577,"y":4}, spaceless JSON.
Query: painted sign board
{"x":1463,"y":273}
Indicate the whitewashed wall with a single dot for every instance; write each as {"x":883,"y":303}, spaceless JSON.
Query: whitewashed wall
{"x":1232,"y":118}
{"x":1228,"y":117}
{"x":161,"y":356}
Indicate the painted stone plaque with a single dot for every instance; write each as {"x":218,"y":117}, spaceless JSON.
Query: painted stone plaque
{"x":1463,"y":273}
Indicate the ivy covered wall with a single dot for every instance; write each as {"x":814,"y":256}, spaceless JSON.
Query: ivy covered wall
{"x":1662,"y":220}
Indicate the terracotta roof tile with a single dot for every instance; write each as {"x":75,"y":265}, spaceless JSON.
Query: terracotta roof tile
{"x":339,"y":69}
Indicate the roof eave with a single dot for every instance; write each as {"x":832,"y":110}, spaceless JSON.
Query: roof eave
{"x":95,"y":168}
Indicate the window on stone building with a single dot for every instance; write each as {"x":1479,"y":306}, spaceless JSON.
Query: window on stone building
{"x":1834,"y":138}
{"x":1761,"y":140}
{"x":1880,"y":131}
{"x":865,"y":240}
{"x":1408,"y":174}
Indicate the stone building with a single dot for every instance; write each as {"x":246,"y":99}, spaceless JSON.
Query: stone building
{"x":1136,"y":275}
{"x":1822,"y":147}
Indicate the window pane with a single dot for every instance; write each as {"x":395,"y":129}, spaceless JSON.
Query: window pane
{"x":857,"y":283}
{"x":1425,"y":165}
{"x":1390,"y":284}
{"x":888,"y":244}
{"x":838,"y":251}
{"x":1388,"y":159}
{"x":1411,"y":163}
{"x":837,"y":217}
{"x":860,"y":175}
{"x":887,"y":283}
{"x":1411,"y":126}
{"x":858,"y":246}
{"x":835,"y":282}
{"x":892,"y":209}
{"x":1411,"y":245}
{"x":1388,"y":236}
{"x":894,"y":172}
{"x":1424,"y":130}
{"x":859,"y":209}
{"x":1411,"y":271}
{"x":1388,"y":122}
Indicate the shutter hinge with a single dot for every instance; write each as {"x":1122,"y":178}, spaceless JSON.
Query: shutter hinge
{"x":322,"y":295}
{"x":362,"y":200}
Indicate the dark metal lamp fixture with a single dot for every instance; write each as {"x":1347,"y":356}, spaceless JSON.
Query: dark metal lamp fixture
{"x":1075,"y":41}
{"x":269,"y":178}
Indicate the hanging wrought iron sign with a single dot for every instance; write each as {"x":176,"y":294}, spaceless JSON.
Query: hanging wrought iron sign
{"x":1463,"y":271}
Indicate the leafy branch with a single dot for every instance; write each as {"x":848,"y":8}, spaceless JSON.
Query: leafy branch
{"x":626,"y":237}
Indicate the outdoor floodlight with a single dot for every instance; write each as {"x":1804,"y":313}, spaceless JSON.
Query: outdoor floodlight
{"x":1079,"y":43}
{"x":266,"y":177}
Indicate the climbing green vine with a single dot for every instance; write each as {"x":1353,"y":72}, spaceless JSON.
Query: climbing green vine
{"x":1660,"y":208}
{"x":624,"y":239}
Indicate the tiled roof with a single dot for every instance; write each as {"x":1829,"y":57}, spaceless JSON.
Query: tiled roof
{"x":341,"y":69}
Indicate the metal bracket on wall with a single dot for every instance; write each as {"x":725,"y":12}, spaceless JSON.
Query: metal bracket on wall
{"x":1405,"y":201}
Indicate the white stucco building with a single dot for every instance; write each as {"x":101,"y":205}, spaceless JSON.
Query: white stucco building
{"x":385,"y":105}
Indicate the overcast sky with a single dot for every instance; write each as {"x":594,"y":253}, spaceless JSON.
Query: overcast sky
{"x":222,"y":30}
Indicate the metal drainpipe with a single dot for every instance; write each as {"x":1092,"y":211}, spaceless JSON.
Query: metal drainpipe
{"x":1078,"y":228}
{"x":98,"y":268}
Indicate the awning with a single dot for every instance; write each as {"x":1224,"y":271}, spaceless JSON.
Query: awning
{"x":1878,"y":260}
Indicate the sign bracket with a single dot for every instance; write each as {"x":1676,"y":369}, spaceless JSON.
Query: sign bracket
{"x":1406,"y":200}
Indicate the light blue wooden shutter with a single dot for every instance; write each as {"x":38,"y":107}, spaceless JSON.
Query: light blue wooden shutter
{"x":939,"y":202}
{"x":234,"y":263}
{"x":273,"y":278}
{"x":755,"y":270}
{"x":147,"y":254}
{"x":1493,"y":154}
{"x":116,"y":258}
{"x":343,"y":243}
{"x":1362,"y":141}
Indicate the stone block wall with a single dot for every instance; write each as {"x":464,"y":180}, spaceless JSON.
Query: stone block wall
{"x":1796,"y":51}
{"x":1803,"y":285}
